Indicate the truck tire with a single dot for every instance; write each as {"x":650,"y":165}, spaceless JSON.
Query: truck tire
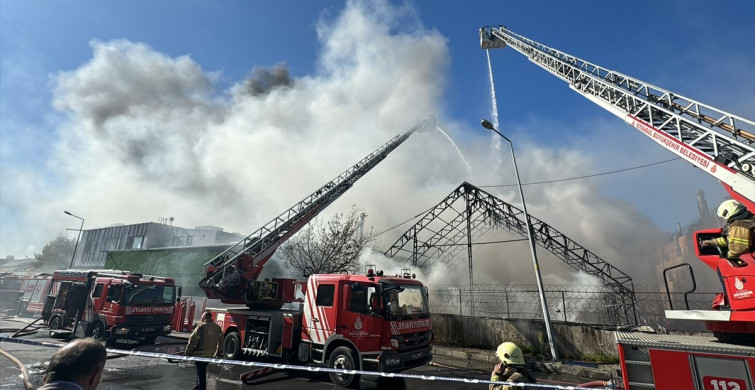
{"x":232,"y":346}
{"x":343,"y":359}
{"x":97,"y":331}
{"x":54,"y":323}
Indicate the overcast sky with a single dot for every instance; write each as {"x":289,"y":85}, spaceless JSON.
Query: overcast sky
{"x":226,"y":113}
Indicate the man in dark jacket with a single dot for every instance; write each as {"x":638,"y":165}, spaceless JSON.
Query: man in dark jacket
{"x":76,"y":366}
{"x":205,"y":341}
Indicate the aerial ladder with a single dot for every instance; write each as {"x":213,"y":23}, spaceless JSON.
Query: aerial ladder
{"x":232,"y":276}
{"x":715,"y":141}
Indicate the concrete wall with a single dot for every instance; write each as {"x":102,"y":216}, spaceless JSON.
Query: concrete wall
{"x":572,"y":341}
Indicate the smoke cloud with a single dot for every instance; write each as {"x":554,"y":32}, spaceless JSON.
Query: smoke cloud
{"x":148,"y":135}
{"x":264,"y":80}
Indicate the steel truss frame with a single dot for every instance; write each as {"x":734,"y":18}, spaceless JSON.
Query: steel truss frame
{"x":424,"y":245}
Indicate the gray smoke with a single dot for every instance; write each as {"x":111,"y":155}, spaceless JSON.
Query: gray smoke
{"x":149,"y":136}
{"x":263,"y":80}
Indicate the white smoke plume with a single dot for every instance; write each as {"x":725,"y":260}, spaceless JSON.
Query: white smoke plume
{"x":148,"y":135}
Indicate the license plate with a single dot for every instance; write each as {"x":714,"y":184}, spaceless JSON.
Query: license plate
{"x":415,"y":355}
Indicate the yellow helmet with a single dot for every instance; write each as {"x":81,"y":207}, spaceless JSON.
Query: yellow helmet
{"x":729,"y":208}
{"x":509,"y":353}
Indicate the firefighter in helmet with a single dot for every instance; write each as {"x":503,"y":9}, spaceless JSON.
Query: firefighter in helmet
{"x":511,"y":368}
{"x":737,"y":238}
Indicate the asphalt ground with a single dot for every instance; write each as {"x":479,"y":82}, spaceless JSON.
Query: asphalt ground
{"x":133,"y":372}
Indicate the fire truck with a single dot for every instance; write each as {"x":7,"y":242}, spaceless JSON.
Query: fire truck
{"x":710,"y":139}
{"x":339,"y":321}
{"x":112,"y":305}
{"x":23,"y":295}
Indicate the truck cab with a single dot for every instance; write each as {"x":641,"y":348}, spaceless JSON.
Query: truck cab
{"x":365,"y":322}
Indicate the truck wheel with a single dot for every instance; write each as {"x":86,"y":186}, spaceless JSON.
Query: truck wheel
{"x":54,"y":323}
{"x":232,"y":346}
{"x":343,"y":359}
{"x":98,"y":331}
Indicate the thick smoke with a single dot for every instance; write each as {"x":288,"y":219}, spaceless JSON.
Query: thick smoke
{"x":264,"y":80}
{"x":151,"y":136}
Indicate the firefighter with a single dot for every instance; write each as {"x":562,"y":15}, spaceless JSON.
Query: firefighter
{"x":511,"y":368}
{"x":205,"y":341}
{"x":737,"y":238}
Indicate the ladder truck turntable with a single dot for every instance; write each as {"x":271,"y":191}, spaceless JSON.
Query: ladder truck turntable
{"x":719,"y":143}
{"x":343,"y":321}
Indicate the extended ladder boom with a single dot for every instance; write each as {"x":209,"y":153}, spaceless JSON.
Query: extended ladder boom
{"x":713,"y":140}
{"x":230,"y":274}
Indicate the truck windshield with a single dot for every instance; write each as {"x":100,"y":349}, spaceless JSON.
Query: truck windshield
{"x":406,"y":302}
{"x":141,"y":295}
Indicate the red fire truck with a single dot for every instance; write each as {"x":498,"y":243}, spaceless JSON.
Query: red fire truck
{"x":112,"y":305}
{"x":369,"y":322}
{"x":31,"y":299}
{"x":722,"y":145}
{"x":343,"y":321}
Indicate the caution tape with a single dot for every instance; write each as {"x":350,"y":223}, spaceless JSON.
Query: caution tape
{"x":279,"y":366}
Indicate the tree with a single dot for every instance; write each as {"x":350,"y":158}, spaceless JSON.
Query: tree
{"x":56,"y":254}
{"x":326,"y":248}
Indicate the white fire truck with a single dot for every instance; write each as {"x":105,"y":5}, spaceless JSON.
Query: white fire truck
{"x":720,"y":144}
{"x":362,"y":322}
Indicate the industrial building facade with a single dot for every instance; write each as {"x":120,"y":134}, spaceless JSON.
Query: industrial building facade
{"x":95,"y":244}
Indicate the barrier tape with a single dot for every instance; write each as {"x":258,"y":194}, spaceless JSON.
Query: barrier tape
{"x":279,"y":366}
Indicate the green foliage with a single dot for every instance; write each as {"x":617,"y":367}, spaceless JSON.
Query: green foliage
{"x":56,"y":254}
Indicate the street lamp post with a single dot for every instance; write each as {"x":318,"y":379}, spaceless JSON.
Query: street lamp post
{"x":77,"y":238}
{"x":546,"y":317}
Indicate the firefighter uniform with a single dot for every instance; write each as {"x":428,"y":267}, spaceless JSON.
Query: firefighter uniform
{"x":738,"y":238}
{"x":511,"y":369}
{"x":205,"y":341}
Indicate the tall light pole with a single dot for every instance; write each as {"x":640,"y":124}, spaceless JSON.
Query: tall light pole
{"x":77,"y":238}
{"x":546,"y":317}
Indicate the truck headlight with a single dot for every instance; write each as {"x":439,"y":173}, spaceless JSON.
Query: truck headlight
{"x":166,"y":328}
{"x":394,"y":343}
{"x":122,"y":331}
{"x":392,"y":361}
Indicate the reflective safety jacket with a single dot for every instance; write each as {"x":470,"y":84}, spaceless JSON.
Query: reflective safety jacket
{"x":205,"y":340}
{"x":508,"y":375}
{"x":739,"y":237}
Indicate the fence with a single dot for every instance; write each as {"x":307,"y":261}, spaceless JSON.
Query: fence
{"x":592,"y":305}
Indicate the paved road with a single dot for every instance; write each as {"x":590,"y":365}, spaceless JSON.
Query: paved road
{"x":138,"y":373}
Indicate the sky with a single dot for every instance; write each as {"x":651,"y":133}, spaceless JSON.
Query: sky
{"x":227,"y":113}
